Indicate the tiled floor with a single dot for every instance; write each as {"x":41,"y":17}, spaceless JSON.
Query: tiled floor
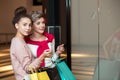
{"x":83,"y":64}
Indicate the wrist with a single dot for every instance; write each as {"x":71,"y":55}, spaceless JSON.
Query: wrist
{"x":42,"y":57}
{"x":58,"y":52}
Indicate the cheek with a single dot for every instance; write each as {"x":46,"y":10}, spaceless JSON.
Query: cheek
{"x":35,"y":28}
{"x":30,"y":28}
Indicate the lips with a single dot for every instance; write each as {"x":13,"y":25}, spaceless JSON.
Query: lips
{"x":41,"y":29}
{"x":27,"y":32}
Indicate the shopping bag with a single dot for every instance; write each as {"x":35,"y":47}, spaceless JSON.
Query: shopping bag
{"x":64,"y":71}
{"x":38,"y":74}
{"x":33,"y":76}
{"x":43,"y":76}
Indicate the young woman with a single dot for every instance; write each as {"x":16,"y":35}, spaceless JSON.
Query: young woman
{"x":21,"y":56}
{"x":40,"y":40}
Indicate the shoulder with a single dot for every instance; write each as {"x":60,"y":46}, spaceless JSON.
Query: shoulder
{"x":49,"y":36}
{"x":17,"y":41}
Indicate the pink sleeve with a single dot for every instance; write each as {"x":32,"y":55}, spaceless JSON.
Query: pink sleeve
{"x":24,"y":56}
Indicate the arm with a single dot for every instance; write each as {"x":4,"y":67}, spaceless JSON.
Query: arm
{"x":55,"y":55}
{"x":59,"y":50}
{"x":107,"y":46}
{"x":24,"y":56}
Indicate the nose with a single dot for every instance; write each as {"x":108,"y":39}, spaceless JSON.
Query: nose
{"x":43,"y":25}
{"x":28,"y":27}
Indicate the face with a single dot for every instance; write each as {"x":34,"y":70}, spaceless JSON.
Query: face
{"x":39,"y":26}
{"x":23,"y":26}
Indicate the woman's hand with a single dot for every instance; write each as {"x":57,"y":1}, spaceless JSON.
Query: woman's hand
{"x":60,"y":49}
{"x":47,"y":53}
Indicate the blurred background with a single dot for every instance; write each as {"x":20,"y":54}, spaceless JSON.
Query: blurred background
{"x":84,"y":26}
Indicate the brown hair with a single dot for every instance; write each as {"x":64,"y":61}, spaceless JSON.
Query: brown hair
{"x":19,"y":13}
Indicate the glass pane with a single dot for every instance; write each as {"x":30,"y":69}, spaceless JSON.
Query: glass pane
{"x":84,"y":16}
{"x":109,"y":40}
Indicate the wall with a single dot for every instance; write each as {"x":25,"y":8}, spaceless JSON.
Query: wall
{"x":7,"y":8}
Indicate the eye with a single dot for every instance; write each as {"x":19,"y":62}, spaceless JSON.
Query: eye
{"x":30,"y":25}
{"x":38,"y":23}
{"x":25,"y":24}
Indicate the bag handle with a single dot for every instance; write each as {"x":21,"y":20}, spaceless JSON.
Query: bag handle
{"x":32,"y":70}
{"x":58,"y":60}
